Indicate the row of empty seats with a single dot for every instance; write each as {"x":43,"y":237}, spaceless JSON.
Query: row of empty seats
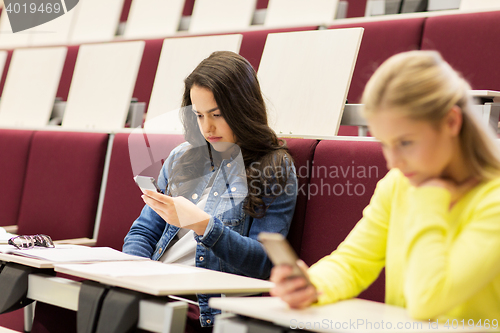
{"x":99,"y":86}
{"x":70,"y":185}
{"x":97,"y":21}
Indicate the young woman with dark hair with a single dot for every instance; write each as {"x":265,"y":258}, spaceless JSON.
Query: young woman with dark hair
{"x":231,"y":180}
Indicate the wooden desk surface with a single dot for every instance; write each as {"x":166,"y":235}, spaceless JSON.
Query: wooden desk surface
{"x":354,"y":315}
{"x":196,"y":280}
{"x":31,"y":262}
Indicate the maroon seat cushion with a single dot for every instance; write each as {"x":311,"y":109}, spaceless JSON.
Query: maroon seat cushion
{"x":63,"y":180}
{"x":125,"y":10}
{"x":14,"y":149}
{"x":356,"y":8}
{"x":262,"y":4}
{"x":381,"y":39}
{"x":253,"y":42}
{"x":343,"y":180}
{"x":147,"y":70}
{"x":188,"y":8}
{"x":470,"y":43}
{"x":302,"y":151}
{"x":67,"y":72}
{"x":13,"y":320}
{"x":122,"y":201}
{"x":5,"y":70}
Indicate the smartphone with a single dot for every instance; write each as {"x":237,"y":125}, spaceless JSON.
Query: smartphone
{"x":280,"y":252}
{"x":147,"y":183}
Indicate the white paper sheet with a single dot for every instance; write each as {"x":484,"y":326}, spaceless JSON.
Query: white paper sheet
{"x":132,"y":268}
{"x":71,"y":253}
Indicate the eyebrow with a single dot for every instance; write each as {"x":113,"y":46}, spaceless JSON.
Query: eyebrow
{"x":402,"y":137}
{"x":211,"y":110}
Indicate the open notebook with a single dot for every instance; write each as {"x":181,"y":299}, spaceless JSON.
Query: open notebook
{"x":71,"y":253}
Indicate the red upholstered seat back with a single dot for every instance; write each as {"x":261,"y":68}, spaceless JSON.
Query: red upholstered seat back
{"x":381,"y":40}
{"x":302,"y":151}
{"x":122,"y":201}
{"x":356,"y":8}
{"x":62,"y":185}
{"x":147,"y":71}
{"x":5,"y":70}
{"x":188,"y":8}
{"x":343,"y":179}
{"x":14,"y":150}
{"x":470,"y":43}
{"x":67,"y":73}
{"x":261,"y":4}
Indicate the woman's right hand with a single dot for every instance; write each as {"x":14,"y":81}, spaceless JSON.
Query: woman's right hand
{"x":296,"y":291}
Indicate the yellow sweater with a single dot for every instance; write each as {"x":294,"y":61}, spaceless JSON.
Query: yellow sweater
{"x":440,"y":262}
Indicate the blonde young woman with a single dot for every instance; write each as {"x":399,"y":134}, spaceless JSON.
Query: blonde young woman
{"x":434,"y":220}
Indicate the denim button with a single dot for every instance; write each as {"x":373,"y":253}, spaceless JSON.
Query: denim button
{"x":194,"y":196}
{"x":229,"y":165}
{"x":201,"y":258}
{"x":159,"y":250}
{"x":209,"y":321}
{"x":216,"y":194}
{"x":233,"y":189}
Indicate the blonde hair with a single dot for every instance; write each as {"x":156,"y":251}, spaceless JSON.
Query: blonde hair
{"x":424,"y":87}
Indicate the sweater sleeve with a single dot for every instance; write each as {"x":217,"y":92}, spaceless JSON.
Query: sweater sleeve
{"x":358,"y":260}
{"x":443,"y":270}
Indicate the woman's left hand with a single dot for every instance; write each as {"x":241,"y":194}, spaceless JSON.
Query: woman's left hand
{"x":456,"y":190}
{"x":177,"y":211}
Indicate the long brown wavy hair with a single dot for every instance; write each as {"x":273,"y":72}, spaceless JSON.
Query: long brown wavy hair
{"x":234,"y":84}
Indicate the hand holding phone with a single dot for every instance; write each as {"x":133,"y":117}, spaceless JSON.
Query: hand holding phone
{"x":281,"y":253}
{"x":147,"y":183}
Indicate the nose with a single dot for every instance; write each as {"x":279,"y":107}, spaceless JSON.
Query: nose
{"x":208,"y":125}
{"x":393,"y":158}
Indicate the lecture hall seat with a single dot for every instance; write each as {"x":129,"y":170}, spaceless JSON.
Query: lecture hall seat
{"x":147,"y":71}
{"x":122,"y":200}
{"x":381,"y":40}
{"x":67,"y":72}
{"x":62,"y":184}
{"x":334,"y":206}
{"x":5,"y":70}
{"x":302,"y":151}
{"x":470,"y":43}
{"x":14,"y":149}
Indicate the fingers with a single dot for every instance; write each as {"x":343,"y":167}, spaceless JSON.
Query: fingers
{"x":297,"y":292}
{"x":280,"y":273}
{"x":158,"y":196}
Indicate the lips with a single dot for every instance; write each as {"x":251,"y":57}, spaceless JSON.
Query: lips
{"x":410,"y":174}
{"x":214,"y":138}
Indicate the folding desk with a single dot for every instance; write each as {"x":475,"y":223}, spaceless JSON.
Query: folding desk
{"x":153,"y":18}
{"x":155,"y":314}
{"x":179,"y":57}
{"x":305,"y":77}
{"x":354,"y":315}
{"x":221,"y":15}
{"x":31,"y":86}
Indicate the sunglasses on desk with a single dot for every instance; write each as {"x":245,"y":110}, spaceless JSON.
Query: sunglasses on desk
{"x":29,"y":242}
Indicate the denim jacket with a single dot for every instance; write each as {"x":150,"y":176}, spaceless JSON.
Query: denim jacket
{"x":230,"y":242}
